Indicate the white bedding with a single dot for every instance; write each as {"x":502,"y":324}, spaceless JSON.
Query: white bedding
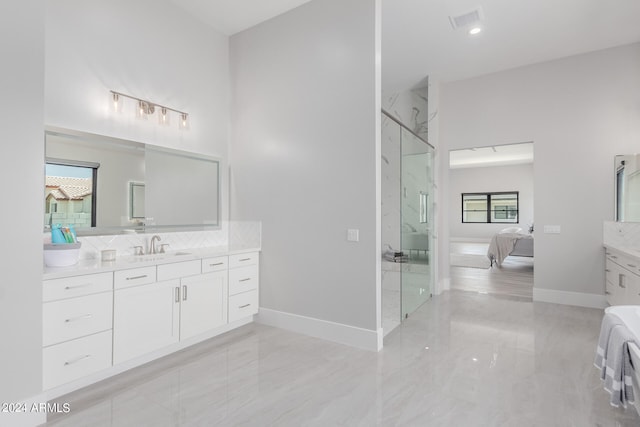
{"x":504,"y":244}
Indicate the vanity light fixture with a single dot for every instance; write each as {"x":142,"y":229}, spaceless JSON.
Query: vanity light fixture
{"x":117,"y":102}
{"x":145,"y":108}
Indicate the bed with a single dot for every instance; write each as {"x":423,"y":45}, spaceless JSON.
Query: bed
{"x":506,"y":244}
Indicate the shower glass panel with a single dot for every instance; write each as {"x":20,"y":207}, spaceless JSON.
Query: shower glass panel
{"x":416,"y":211}
{"x":407,"y":222}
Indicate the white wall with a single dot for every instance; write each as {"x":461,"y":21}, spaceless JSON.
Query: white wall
{"x":304,"y":154}
{"x":22,"y":149}
{"x":489,"y":179}
{"x":150,"y":49}
{"x":579,"y":111}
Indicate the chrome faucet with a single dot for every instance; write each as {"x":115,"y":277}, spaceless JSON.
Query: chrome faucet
{"x":152,"y":244}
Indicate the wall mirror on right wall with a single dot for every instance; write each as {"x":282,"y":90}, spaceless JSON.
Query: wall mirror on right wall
{"x":627,"y":188}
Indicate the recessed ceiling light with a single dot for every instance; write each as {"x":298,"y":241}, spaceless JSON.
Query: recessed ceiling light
{"x":475,"y":30}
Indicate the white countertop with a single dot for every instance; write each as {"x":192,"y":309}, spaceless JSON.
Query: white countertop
{"x":90,"y":266}
{"x":632,"y":252}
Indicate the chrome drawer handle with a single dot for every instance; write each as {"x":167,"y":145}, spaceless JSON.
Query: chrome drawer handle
{"x":73,"y":319}
{"x":177,"y":293}
{"x":137,"y":277}
{"x":68,"y":288}
{"x":245,"y":280}
{"x":184,"y":292}
{"x":244,"y":306}
{"x":245,"y":259}
{"x":216,"y":264}
{"x":71,"y":362}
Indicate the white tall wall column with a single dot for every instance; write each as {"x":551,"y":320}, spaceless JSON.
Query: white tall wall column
{"x":22,"y":149}
{"x":305,"y":160}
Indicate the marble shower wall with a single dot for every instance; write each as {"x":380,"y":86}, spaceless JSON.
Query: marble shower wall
{"x":391,"y":169}
{"x":411,"y":108}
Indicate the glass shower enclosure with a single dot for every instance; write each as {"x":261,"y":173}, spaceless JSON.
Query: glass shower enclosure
{"x":407,"y":221}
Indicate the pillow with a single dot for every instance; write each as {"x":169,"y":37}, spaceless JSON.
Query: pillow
{"x":511,"y":230}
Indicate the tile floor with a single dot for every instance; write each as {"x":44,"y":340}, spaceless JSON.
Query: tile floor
{"x":463,"y":359}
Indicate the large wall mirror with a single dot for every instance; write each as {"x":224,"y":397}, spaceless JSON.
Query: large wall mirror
{"x":627,"y":188}
{"x":104,"y":185}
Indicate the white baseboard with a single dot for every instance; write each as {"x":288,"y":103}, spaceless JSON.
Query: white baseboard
{"x":323,"y":329}
{"x":442,"y":285}
{"x":28,"y":412}
{"x":579,"y":299}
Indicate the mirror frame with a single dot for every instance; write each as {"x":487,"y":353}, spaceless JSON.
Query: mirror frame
{"x":138,"y":229}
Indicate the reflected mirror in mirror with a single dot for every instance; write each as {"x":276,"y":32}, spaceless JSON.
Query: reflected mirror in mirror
{"x":104,"y":185}
{"x":627,"y":188}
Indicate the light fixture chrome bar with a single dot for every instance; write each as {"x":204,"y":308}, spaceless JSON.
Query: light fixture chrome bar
{"x":149,"y":103}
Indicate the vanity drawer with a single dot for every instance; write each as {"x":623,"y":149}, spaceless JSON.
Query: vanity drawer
{"x":241,"y":260}
{"x":243,"y":279}
{"x":177,"y":270}
{"x":75,"y":359}
{"x":76,"y":286}
{"x":134,"y":277}
{"x":243,"y":305}
{"x":73,"y":318}
{"x":220,"y":263}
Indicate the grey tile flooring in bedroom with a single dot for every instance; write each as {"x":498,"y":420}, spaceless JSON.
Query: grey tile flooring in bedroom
{"x":513,"y":278}
{"x":463,"y":359}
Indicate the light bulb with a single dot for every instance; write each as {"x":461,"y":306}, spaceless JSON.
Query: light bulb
{"x":116,"y":102}
{"x":184,"y":123}
{"x":163,"y":117}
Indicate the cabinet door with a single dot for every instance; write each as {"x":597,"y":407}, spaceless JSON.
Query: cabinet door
{"x":204,"y":303}
{"x":146,"y":318}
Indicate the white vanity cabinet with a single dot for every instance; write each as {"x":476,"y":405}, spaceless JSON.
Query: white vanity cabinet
{"x":183,"y":303}
{"x":145,"y":319}
{"x":133,"y":314}
{"x":622,"y":273}
{"x":77,"y":327}
{"x":203,"y":303}
{"x":243,"y":285}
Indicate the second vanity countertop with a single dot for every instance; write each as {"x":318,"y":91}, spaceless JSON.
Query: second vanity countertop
{"x":90,"y":266}
{"x":632,"y":252}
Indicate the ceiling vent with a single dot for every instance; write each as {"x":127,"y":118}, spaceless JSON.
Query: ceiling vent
{"x":466,"y":19}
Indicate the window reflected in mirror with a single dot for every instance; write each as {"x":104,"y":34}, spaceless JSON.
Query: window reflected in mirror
{"x":70,"y":194}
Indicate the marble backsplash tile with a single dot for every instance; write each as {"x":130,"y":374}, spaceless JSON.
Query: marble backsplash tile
{"x":621,"y":234}
{"x":232,"y":233}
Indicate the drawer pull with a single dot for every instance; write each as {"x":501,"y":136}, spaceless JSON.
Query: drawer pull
{"x":177,"y":293}
{"x":245,"y":259}
{"x":632,"y":266}
{"x":244,"y":306}
{"x":74,"y":319}
{"x":68,"y":288}
{"x":137,"y":277}
{"x":245,"y":280}
{"x":216,"y":264}
{"x":184,"y":292}
{"x":71,"y":362}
